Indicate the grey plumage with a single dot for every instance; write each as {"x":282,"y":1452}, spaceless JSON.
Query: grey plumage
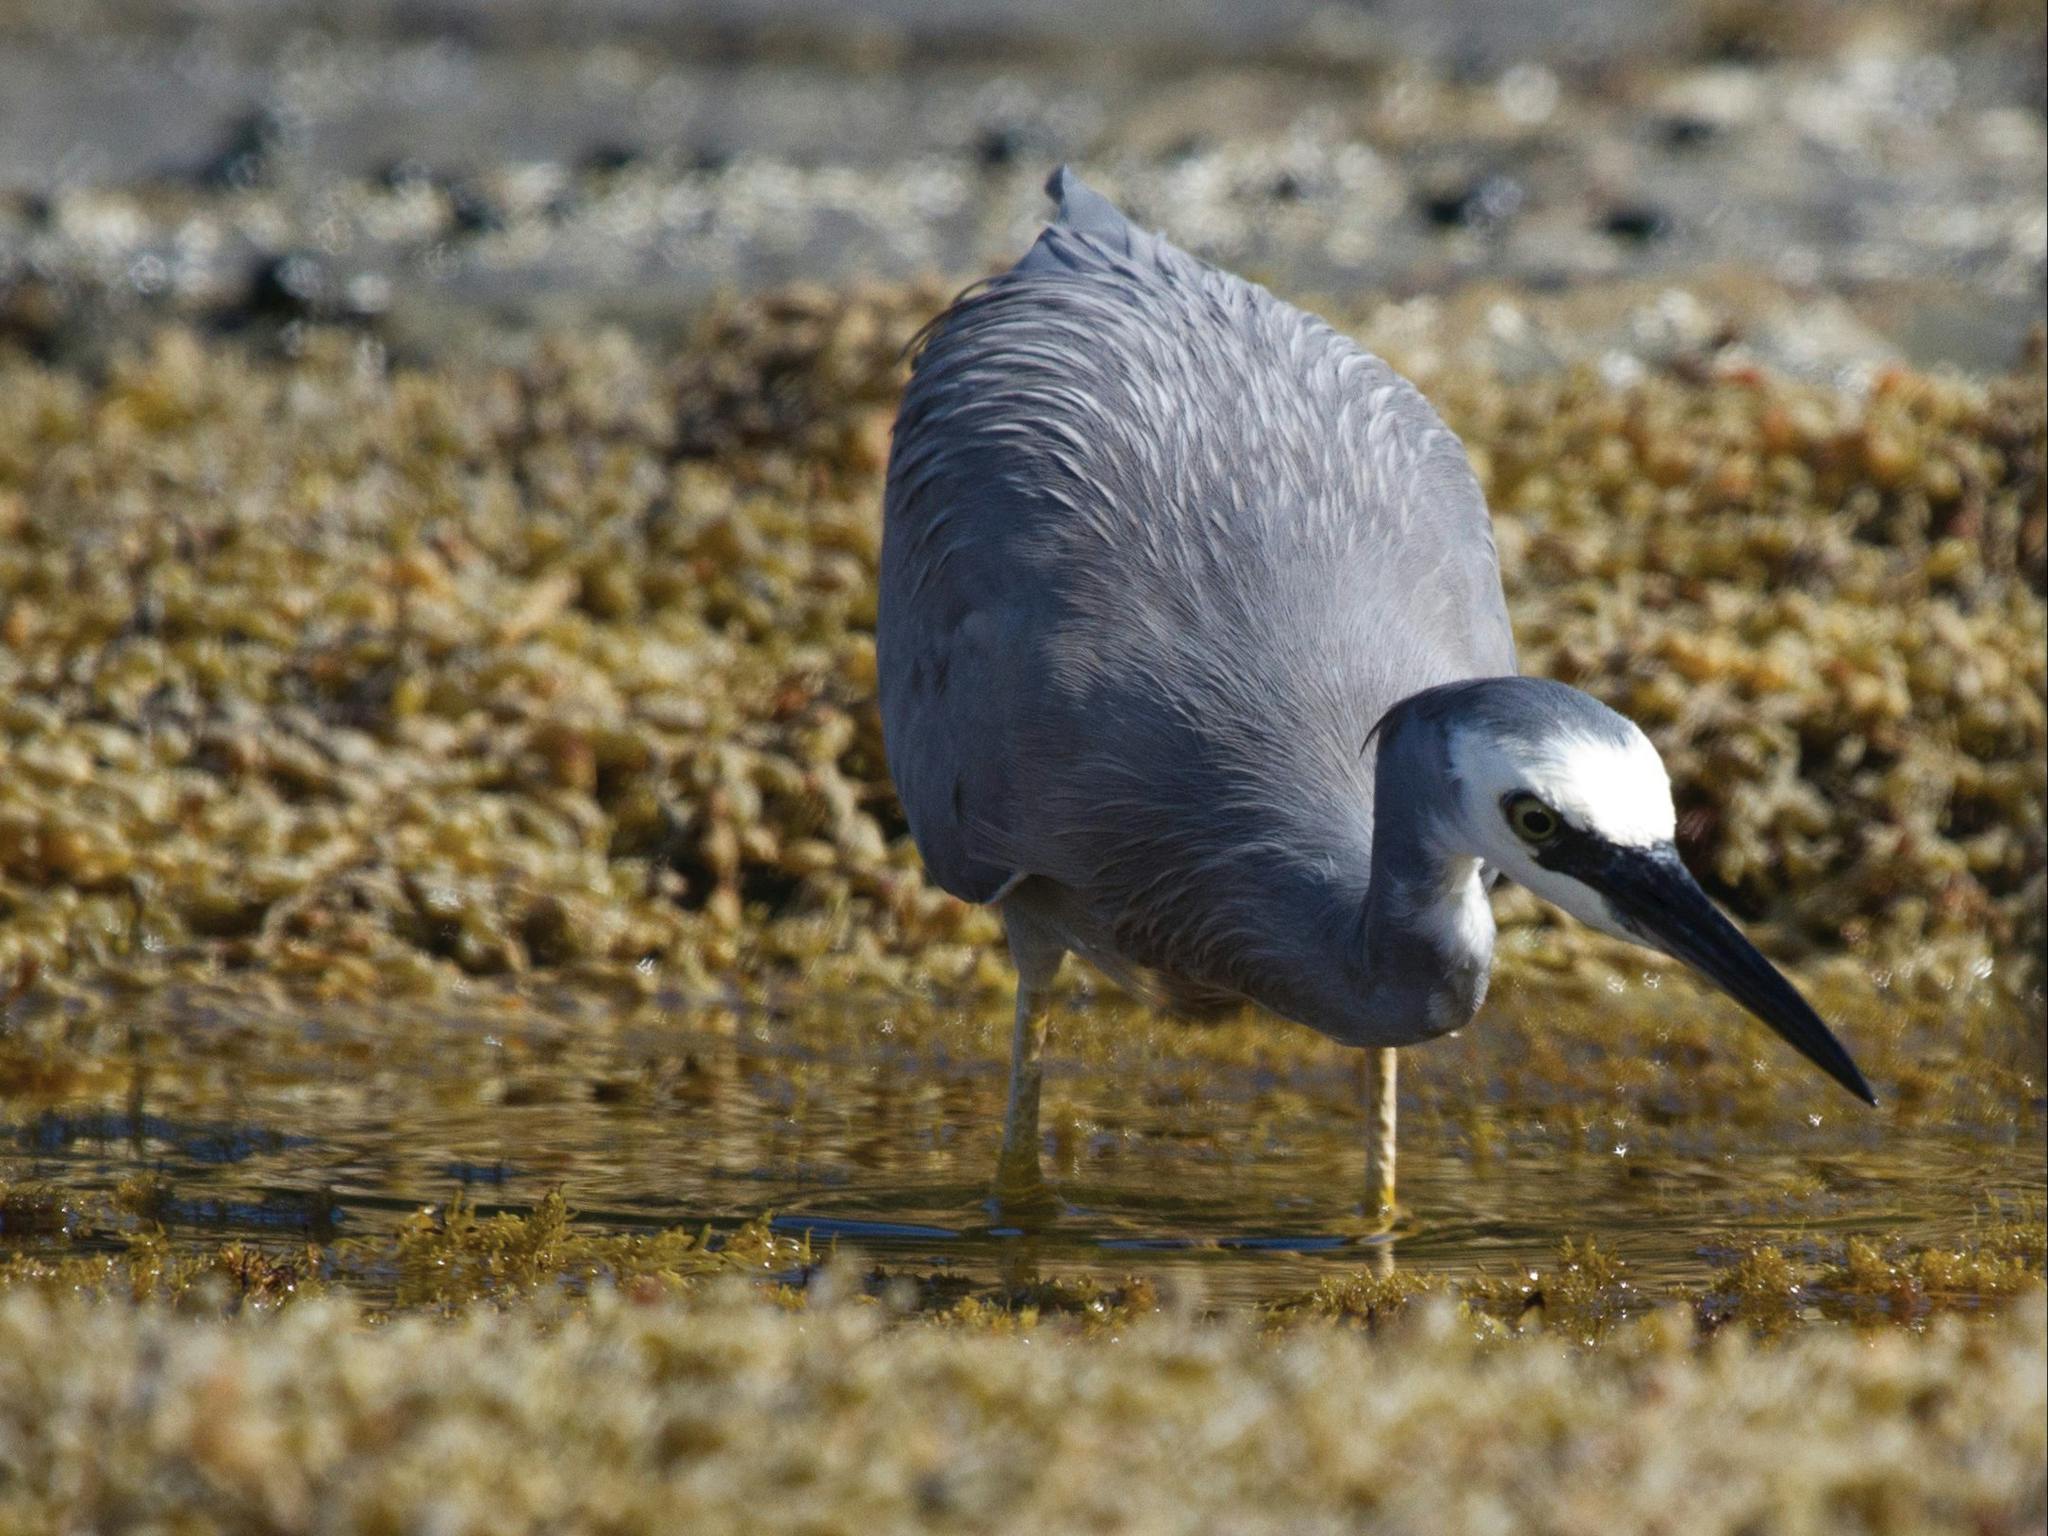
{"x":1130,"y":490}
{"x":1160,"y":552}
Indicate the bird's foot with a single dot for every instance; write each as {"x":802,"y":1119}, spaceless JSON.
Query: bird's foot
{"x":1381,"y":1221}
{"x":1380,"y":1213}
{"x":1020,"y":1197}
{"x":1375,"y":1225}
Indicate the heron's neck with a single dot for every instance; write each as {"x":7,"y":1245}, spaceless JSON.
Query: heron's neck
{"x":1428,"y":935}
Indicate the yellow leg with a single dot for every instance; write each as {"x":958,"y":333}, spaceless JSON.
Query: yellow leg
{"x":1379,"y":1085}
{"x":1017,"y":1167}
{"x":1020,"y":1183}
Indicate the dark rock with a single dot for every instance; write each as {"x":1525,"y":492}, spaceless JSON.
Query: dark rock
{"x":473,"y":210}
{"x":405,"y":174}
{"x":294,"y":285}
{"x":302,"y":285}
{"x":35,"y":308}
{"x":609,"y":156}
{"x":1000,"y":144}
{"x":248,"y":153}
{"x":1482,"y":203}
{"x":1640,"y":222}
{"x":1685,"y":131}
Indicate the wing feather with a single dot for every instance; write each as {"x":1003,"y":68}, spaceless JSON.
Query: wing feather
{"x":1158,"y":550}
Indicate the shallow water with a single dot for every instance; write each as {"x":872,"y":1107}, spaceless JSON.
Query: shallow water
{"x":1238,"y":1182}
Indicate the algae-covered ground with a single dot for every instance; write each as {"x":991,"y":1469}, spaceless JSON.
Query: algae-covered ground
{"x":374,"y":676}
{"x":733,"y":1417}
{"x":429,"y":786}
{"x":478,"y":1051}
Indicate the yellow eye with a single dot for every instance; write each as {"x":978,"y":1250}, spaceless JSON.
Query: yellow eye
{"x":1533,"y":821}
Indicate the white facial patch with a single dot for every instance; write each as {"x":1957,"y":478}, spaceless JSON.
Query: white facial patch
{"x":1616,"y":790}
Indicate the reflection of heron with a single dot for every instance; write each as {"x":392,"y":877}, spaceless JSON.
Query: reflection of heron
{"x":1194,"y":659}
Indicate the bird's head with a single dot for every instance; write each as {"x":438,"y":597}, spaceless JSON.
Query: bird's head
{"x":1564,"y":796}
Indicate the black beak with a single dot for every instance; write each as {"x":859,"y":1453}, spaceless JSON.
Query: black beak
{"x":1653,"y":895}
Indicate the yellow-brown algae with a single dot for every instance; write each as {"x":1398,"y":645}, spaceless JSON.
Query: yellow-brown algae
{"x":540,"y":697}
{"x":381,"y":677}
{"x":444,"y":1258}
{"x":734,"y":1416}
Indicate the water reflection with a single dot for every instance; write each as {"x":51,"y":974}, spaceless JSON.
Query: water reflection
{"x":1238,"y":1183}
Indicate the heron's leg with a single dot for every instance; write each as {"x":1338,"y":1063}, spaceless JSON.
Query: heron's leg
{"x":1027,"y":1076}
{"x":1379,"y":1082}
{"x":1037,"y":953}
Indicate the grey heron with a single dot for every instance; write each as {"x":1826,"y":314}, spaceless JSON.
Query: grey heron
{"x":1194,"y":660}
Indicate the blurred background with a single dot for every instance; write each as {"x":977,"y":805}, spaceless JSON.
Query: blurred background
{"x":1850,"y":181}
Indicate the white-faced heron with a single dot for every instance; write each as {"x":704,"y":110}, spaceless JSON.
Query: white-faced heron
{"x":1195,"y":661}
